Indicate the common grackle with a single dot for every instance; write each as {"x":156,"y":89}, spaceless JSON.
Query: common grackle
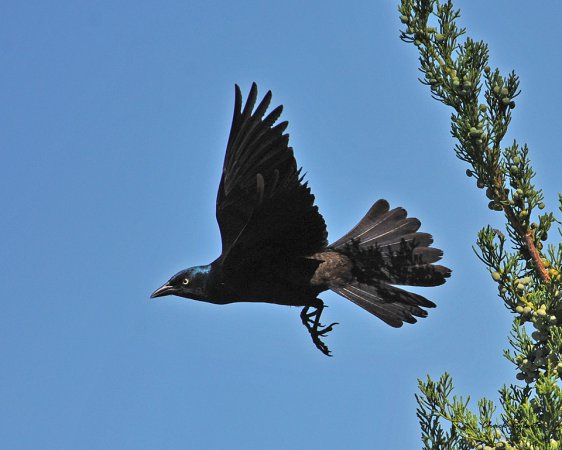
{"x":274,"y":240}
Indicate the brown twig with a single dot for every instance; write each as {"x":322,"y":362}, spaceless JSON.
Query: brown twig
{"x":527,"y":239}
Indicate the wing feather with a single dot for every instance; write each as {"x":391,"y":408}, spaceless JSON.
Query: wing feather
{"x":263,"y":204}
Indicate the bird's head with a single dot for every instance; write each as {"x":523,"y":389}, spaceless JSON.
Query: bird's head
{"x":189,"y":283}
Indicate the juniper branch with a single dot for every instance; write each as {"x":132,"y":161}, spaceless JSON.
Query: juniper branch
{"x":528,"y":274}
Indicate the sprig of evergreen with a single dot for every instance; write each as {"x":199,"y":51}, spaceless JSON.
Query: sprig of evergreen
{"x":525,"y":269}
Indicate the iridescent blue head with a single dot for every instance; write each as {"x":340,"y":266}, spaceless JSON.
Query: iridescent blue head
{"x":189,"y":283}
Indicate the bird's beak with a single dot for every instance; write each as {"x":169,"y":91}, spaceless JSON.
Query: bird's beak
{"x":167,"y":289}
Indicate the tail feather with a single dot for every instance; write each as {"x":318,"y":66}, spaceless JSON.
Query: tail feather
{"x":392,"y":305}
{"x":373,"y":220}
{"x":386,"y":249}
{"x":394,"y":232}
{"x":427,"y":254}
{"x":382,"y":226}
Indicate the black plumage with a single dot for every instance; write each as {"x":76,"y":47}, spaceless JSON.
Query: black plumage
{"x":274,"y":240}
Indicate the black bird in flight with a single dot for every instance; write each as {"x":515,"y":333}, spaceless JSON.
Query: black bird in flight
{"x":274,"y":240}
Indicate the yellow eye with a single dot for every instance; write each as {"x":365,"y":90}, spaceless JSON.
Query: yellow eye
{"x":185,"y":281}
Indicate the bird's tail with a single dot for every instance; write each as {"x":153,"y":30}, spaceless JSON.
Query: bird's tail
{"x":386,"y":249}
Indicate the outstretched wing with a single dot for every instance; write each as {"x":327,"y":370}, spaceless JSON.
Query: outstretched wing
{"x":263,"y":205}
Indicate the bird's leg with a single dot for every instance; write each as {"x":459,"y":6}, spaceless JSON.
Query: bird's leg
{"x":312,"y":323}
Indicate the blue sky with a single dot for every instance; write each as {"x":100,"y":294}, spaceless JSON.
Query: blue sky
{"x":114,"y":120}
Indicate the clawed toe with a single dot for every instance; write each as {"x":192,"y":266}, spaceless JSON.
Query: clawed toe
{"x":326,"y":330}
{"x":312,"y":323}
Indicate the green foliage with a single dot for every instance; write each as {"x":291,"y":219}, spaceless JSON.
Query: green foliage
{"x":526,"y":271}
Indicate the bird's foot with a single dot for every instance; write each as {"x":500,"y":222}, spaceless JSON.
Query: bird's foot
{"x":311,"y":320}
